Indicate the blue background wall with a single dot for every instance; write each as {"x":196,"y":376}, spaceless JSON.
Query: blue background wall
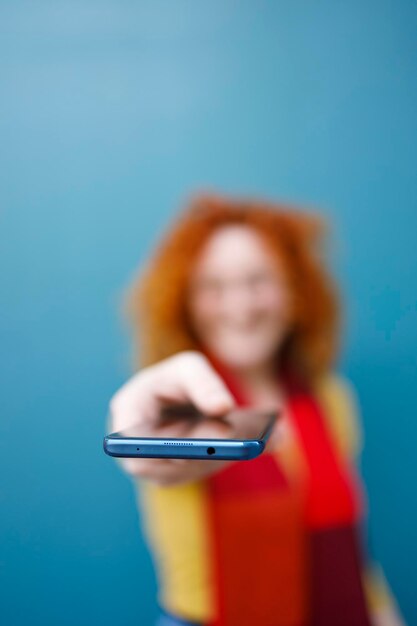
{"x":111,"y":112}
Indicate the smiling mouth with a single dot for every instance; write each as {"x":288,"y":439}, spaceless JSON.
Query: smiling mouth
{"x":243,"y":337}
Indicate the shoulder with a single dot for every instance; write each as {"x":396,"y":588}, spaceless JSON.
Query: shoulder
{"x":340,"y":404}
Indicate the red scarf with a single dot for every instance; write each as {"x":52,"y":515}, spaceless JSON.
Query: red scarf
{"x":286,"y":555}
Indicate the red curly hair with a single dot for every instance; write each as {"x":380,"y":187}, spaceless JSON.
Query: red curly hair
{"x":157,"y":300}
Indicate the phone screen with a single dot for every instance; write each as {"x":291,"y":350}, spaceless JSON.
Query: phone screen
{"x":185,"y":421}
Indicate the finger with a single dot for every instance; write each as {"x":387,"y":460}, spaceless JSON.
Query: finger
{"x":186,"y":377}
{"x":154,"y":469}
{"x":196,"y":381}
{"x":166,"y":472}
{"x":134,"y":402}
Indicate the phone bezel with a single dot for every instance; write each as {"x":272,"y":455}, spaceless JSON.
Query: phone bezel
{"x":117,"y":444}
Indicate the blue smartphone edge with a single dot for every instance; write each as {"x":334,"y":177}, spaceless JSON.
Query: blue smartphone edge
{"x":209,"y":449}
{"x":212,"y":449}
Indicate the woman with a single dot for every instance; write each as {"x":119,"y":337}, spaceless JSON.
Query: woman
{"x":275,"y":541}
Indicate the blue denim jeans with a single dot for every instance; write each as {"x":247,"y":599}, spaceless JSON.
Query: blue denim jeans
{"x":165,"y":619}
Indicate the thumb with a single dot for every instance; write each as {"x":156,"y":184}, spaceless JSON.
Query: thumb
{"x":203,"y":386}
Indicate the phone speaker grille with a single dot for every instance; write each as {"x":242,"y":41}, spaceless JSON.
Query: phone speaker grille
{"x":177,"y":443}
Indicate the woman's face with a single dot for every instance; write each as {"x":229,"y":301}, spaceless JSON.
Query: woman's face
{"x":239,"y":301}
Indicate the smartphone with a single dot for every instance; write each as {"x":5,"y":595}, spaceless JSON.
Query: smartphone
{"x":251,"y":429}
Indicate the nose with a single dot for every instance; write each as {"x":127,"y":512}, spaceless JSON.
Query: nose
{"x":238,"y":302}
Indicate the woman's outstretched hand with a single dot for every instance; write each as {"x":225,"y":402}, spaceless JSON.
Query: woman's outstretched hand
{"x":187,"y":377}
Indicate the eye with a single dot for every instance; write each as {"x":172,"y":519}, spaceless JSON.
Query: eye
{"x":209,"y":286}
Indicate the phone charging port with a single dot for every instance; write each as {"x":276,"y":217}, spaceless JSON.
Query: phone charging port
{"x":211,"y":450}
